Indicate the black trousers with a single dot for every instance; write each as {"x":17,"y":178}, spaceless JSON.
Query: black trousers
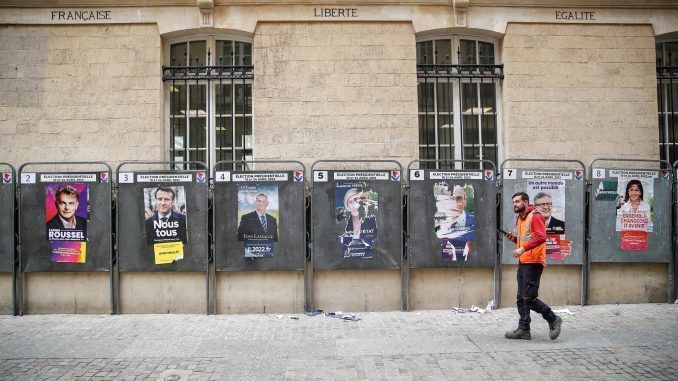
{"x":528,"y":290}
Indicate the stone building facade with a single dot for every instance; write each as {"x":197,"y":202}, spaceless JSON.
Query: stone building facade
{"x":82,"y":80}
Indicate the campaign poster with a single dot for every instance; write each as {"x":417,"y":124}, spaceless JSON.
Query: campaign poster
{"x":635,"y":211}
{"x":454,"y":219}
{"x":258,"y":216}
{"x":548,"y":197}
{"x":356,"y":206}
{"x":66,"y":216}
{"x":165,"y":215}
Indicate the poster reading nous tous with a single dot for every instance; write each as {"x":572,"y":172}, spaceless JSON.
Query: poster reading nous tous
{"x":165,"y":214}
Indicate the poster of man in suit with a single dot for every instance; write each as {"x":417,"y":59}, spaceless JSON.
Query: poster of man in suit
{"x":165,"y":224}
{"x":548,"y":196}
{"x":454,"y":219}
{"x":66,"y":216}
{"x":258,"y":217}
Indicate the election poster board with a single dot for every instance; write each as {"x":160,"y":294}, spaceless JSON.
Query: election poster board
{"x":630,"y":215}
{"x":558,"y":196}
{"x":65,"y":221}
{"x":357,"y":219}
{"x":7,"y":221}
{"x":259,"y":220}
{"x":452,"y":218}
{"x":162,"y":221}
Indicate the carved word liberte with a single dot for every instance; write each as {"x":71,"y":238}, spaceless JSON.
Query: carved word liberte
{"x":335,"y":12}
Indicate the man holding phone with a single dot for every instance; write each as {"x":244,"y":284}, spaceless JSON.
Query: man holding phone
{"x":531,"y":253}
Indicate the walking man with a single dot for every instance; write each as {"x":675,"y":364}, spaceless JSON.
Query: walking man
{"x":531,"y":253}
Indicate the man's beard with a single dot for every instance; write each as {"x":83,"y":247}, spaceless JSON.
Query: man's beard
{"x":519,"y":211}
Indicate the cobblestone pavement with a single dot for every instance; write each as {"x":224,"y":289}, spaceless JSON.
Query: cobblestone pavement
{"x":610,"y":342}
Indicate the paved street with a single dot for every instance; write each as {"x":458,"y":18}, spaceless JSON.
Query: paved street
{"x":613,"y":342}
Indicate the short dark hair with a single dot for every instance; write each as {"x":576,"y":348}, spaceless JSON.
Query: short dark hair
{"x":540,"y":195}
{"x":67,"y":190}
{"x":165,"y":189}
{"x":523,"y":196}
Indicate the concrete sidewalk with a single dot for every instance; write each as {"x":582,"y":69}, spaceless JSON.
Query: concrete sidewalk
{"x":615,"y":342}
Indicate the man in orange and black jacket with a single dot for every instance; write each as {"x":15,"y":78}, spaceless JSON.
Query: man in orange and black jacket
{"x":531,"y":253}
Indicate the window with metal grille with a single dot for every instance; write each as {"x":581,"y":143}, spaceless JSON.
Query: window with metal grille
{"x":667,"y":99}
{"x":208,"y":84}
{"x":458,"y":93}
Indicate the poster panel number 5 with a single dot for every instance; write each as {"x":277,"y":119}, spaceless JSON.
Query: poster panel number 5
{"x":320,"y":176}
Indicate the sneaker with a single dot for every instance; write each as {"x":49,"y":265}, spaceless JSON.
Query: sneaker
{"x":554,"y":328}
{"x":518,"y":334}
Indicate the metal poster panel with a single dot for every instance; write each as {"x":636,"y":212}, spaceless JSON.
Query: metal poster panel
{"x":162,"y":221}
{"x":630,"y":215}
{"x":558,"y":194}
{"x":452,"y":218}
{"x":259,"y":221}
{"x":357,"y":220}
{"x":7,"y":220}
{"x":66,"y":221}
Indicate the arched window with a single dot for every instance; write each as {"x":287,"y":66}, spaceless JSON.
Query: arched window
{"x":208,"y":84}
{"x":458,"y":93}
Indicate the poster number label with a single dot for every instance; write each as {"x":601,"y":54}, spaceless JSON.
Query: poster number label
{"x":320,"y":176}
{"x":510,"y":173}
{"x":126,"y":177}
{"x":598,"y":173}
{"x":28,"y":178}
{"x":223,"y":176}
{"x":416,"y":174}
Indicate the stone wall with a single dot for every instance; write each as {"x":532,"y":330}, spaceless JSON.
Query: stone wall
{"x":580,"y":92}
{"x":335,"y":91}
{"x":80,"y":93}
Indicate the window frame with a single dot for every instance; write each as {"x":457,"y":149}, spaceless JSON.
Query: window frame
{"x":210,"y":147}
{"x":666,"y":115}
{"x":457,"y":114}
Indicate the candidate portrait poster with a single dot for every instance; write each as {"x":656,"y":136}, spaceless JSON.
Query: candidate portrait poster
{"x":356,"y":206}
{"x":548,"y":197}
{"x":66,"y":217}
{"x":258,"y":218}
{"x":635,"y":211}
{"x":165,"y":220}
{"x":454,"y":219}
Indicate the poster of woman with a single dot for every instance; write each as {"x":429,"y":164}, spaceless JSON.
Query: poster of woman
{"x":634,"y":212}
{"x":356,"y":208}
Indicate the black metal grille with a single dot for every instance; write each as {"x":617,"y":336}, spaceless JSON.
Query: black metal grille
{"x":191,"y":127}
{"x":475,"y":85}
{"x":667,"y":101}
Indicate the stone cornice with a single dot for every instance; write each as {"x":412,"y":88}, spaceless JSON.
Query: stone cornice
{"x":617,"y":4}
